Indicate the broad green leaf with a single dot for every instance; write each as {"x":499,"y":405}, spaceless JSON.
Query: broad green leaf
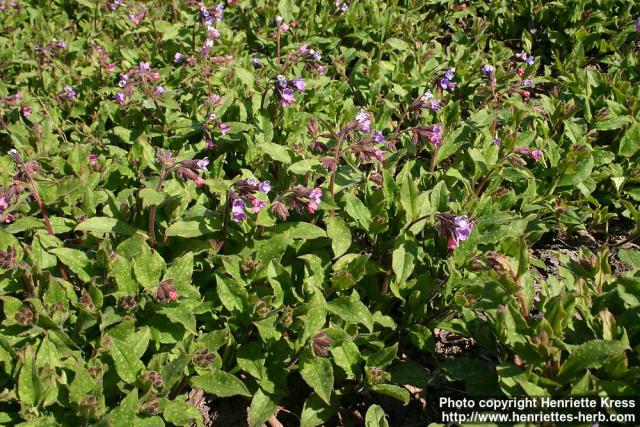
{"x":591,"y":354}
{"x":127,"y":363}
{"x":262,"y":407}
{"x":76,"y":260}
{"x":630,"y":142}
{"x":375,"y":417}
{"x":126,"y":410}
{"x":357,"y":211}
{"x":220,"y":383}
{"x":403,"y":260}
{"x":99,"y":224}
{"x":340,"y":235}
{"x":181,"y":413}
{"x":318,"y":373}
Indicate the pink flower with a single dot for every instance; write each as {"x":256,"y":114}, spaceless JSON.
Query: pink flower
{"x":363,"y":120}
{"x":199,"y":181}
{"x":172,"y":295}
{"x":257,"y":204}
{"x":93,"y":159}
{"x":224,"y":128}
{"x":26,"y":111}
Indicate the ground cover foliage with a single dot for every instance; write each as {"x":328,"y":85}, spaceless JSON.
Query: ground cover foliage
{"x":311,"y":212}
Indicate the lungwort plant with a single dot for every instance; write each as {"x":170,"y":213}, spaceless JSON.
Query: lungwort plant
{"x":314,"y":212}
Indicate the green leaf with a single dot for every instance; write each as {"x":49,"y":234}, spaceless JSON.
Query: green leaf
{"x":277,"y":152}
{"x":299,"y":230}
{"x":148,"y":266}
{"x":613,"y":123}
{"x":76,"y":260}
{"x":340,"y":235}
{"x":392,"y":390}
{"x":28,"y":383}
{"x":375,"y":417}
{"x":315,"y":412}
{"x":126,"y":362}
{"x":398,"y":44}
{"x":181,"y":413}
{"x":318,"y":373}
{"x":189,"y":229}
{"x":262,"y":407}
{"x":303,"y":166}
{"x":180,"y":314}
{"x":126,"y":410}
{"x":357,"y":211}
{"x":232,"y":295}
{"x":591,"y":354}
{"x":403,"y":260}
{"x":180,"y":271}
{"x":630,"y":142}
{"x":220,"y":383}
{"x":99,"y":224}
{"x":352,"y":310}
{"x":245,"y":76}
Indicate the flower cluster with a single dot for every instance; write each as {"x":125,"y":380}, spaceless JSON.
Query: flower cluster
{"x":454,"y":228}
{"x":114,"y":4}
{"x":341,"y":7}
{"x":525,"y":57}
{"x":4,"y":4}
{"x":103,"y":58}
{"x":16,"y":101}
{"x":144,"y":75}
{"x":427,"y":101}
{"x":283,"y":27}
{"x":210,"y":14}
{"x":432,"y":133}
{"x":285,"y":89}
{"x":445,"y":81}
{"x":301,"y":199}
{"x":535,"y":154}
{"x":362,"y":121}
{"x":67,"y":93}
{"x":138,"y":16}
{"x":213,"y":121}
{"x":189,"y":170}
{"x":244,"y":195}
{"x":310,"y":57}
{"x":47,"y":52}
{"x":166,"y":292}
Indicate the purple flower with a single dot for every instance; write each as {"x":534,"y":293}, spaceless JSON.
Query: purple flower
{"x":265,"y":187}
{"x":450,"y":74}
{"x":62,"y":45}
{"x":530,"y":60}
{"x":497,"y":141}
{"x":463,"y":227}
{"x":363,"y":120}
{"x":160,"y":90}
{"x":202,"y":164}
{"x":286,"y":97}
{"x":378,"y":137}
{"x":316,"y":195}
{"x":255,"y":61}
{"x":71,"y":94}
{"x":209,"y":145}
{"x":144,"y":66}
{"x":321,"y":69}
{"x":446,"y":84}
{"x":179,"y":58}
{"x":534,"y":154}
{"x":299,"y":83}
{"x":527,"y":82}
{"x":281,"y":81}
{"x":341,"y":6}
{"x":379,"y":154}
{"x":120,"y":98}
{"x":488,"y":70}
{"x":238,"y":207}
{"x":93,"y":159}
{"x":524,"y":57}
{"x":224,"y":128}
{"x":638,"y":24}
{"x":435,"y":135}
{"x":212,"y":33}
{"x":3,"y":204}
{"x":257,"y":204}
